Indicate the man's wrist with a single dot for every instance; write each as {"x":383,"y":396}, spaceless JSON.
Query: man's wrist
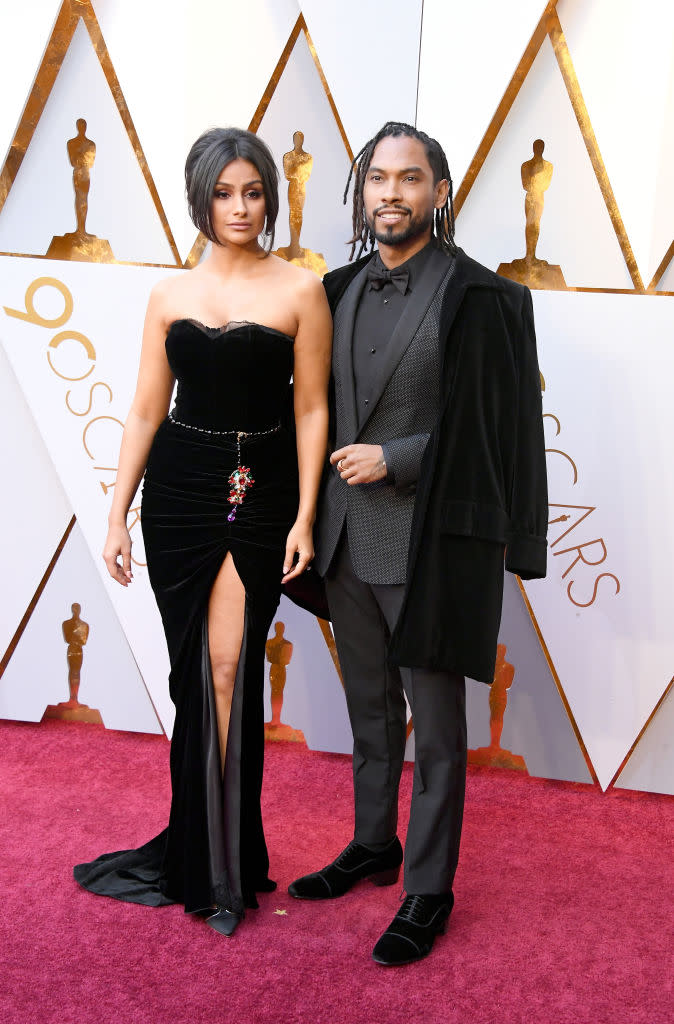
{"x":385,"y":464}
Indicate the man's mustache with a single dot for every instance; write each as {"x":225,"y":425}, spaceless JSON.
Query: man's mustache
{"x":391,"y":209}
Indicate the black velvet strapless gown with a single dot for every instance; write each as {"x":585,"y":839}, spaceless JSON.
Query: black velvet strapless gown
{"x":230,"y":379}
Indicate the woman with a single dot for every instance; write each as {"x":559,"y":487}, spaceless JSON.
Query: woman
{"x":226,"y":515}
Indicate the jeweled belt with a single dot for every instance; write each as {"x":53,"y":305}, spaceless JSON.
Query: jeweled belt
{"x":241,"y":479}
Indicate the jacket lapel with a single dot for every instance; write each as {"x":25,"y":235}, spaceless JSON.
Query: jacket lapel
{"x":408,"y":325}
{"x":342,"y":356}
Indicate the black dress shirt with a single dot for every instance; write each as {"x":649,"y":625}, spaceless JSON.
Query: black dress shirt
{"x":377,"y":316}
{"x":378,"y":313}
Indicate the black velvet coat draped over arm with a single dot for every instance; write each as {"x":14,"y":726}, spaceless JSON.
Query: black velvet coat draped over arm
{"x":482,"y":489}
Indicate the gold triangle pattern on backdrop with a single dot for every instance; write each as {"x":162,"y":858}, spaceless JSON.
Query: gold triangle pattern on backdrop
{"x":660,"y":272}
{"x":300,"y":25}
{"x":65,"y":25}
{"x":25,"y":619}
{"x":67,"y":20}
{"x":549,"y":26}
{"x":72,"y":11}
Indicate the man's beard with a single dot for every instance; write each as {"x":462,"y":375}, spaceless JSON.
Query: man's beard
{"x":416,"y":226}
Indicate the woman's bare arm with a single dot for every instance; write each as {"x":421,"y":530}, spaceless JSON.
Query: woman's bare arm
{"x":313,"y":347}
{"x":148,"y":409}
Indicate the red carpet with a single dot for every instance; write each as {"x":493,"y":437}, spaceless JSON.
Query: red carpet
{"x":564,"y":907}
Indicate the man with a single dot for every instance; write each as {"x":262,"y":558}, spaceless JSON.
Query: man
{"x":438,"y":466}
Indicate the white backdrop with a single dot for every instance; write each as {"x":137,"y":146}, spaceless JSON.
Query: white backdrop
{"x":588,"y":701}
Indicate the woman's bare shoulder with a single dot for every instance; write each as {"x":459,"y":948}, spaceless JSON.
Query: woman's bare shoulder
{"x":169,"y":295}
{"x":167,"y":287}
{"x":302,"y":281}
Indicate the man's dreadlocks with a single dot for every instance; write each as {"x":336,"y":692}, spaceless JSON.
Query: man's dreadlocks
{"x":444,"y":217}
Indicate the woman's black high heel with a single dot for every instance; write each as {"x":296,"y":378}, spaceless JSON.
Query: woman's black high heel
{"x":223,"y":921}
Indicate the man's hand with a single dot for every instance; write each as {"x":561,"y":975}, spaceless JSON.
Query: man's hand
{"x":360,"y":463}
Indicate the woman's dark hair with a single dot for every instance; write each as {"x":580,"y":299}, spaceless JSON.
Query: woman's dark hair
{"x":212,"y":151}
{"x":444,"y":217}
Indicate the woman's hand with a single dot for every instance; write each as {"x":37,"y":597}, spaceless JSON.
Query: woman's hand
{"x":118,"y":544}
{"x":301,"y":543}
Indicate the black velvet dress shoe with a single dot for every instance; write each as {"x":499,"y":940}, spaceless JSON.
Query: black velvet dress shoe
{"x":410,"y":935}
{"x":353,"y":864}
{"x":223,"y":921}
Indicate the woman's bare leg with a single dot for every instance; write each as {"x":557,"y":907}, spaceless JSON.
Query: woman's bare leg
{"x":226,"y":612}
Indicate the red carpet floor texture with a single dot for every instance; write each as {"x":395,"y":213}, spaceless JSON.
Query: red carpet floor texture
{"x":564,"y":902}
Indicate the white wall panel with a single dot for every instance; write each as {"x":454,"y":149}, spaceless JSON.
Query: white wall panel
{"x":469,"y":52}
{"x":536,"y":725}
{"x":663,"y":207}
{"x":41,"y":203}
{"x":23,"y":37}
{"x":651,"y":766}
{"x":37,"y":674}
{"x":608,"y":365}
{"x":208,"y":64}
{"x":370,"y":57}
{"x":576,"y":230}
{"x":35,"y":510}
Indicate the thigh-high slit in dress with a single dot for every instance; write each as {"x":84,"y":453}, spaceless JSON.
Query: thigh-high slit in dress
{"x":231,"y":411}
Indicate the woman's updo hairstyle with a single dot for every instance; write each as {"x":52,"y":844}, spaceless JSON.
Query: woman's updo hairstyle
{"x":212,"y":151}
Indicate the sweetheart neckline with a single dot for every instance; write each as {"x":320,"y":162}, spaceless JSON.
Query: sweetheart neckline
{"x":223,"y":328}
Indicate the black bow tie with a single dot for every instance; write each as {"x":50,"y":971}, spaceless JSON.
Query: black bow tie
{"x":378,"y":276}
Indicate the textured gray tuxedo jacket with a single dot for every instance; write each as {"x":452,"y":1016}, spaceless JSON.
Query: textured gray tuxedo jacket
{"x":404,"y":410}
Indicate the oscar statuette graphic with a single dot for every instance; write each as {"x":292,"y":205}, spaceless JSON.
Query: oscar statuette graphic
{"x":79,"y":244}
{"x":279,"y":651}
{"x":494,"y":756}
{"x":75,"y":634}
{"x":532,"y":271}
{"x":297,"y":167}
